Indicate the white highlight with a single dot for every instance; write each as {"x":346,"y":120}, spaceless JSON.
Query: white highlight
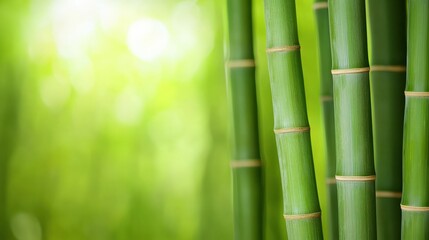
{"x":147,"y":39}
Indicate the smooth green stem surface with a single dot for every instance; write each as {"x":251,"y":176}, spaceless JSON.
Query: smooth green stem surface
{"x":415,"y":224}
{"x":322,"y":20}
{"x":289,"y":108}
{"x":352,"y":114}
{"x":387,"y":23}
{"x":247,"y":181}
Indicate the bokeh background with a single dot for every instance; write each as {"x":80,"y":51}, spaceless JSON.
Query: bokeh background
{"x":114,"y":118}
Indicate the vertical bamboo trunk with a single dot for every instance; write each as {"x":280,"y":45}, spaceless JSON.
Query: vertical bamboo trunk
{"x":388,"y":55}
{"x":301,"y":203}
{"x":355,"y":173}
{"x":273,"y":200}
{"x":415,"y":199}
{"x":322,"y":19}
{"x":247,"y":183}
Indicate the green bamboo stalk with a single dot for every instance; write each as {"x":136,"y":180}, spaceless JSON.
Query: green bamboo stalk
{"x":355,"y":172}
{"x":387,"y":77}
{"x":415,"y":198}
{"x":322,"y":20}
{"x":247,"y":180}
{"x":273,"y":200}
{"x":301,"y":203}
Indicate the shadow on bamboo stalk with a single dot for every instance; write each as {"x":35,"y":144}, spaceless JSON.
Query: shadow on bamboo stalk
{"x":388,"y":54}
{"x":301,"y":203}
{"x":246,"y":163}
{"x":415,"y":198}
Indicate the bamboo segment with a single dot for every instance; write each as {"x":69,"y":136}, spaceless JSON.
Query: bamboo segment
{"x":301,"y":203}
{"x":246,"y":171}
{"x":415,"y":198}
{"x":322,"y":19}
{"x":388,"y":47}
{"x":352,"y":113}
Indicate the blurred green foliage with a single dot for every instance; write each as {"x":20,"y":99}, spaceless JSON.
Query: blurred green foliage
{"x":100,"y":140}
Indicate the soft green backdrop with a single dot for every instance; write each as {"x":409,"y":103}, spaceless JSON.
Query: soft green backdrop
{"x":105,"y":138}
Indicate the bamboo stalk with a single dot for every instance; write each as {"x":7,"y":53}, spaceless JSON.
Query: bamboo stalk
{"x":301,"y":203}
{"x":247,"y":182}
{"x":326,"y":98}
{"x":415,"y":198}
{"x":352,"y":114}
{"x":387,"y":77}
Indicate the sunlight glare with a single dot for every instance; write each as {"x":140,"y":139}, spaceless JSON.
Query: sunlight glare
{"x":147,"y":39}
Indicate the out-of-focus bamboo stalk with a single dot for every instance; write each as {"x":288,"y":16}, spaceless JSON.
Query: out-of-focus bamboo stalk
{"x":388,"y":55}
{"x":322,"y":19}
{"x":246,"y":163}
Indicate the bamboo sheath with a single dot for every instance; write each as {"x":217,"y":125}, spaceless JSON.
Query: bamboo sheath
{"x":352,"y":113}
{"x":415,"y":197}
{"x":246,"y":171}
{"x":301,"y":204}
{"x":387,"y":77}
{"x":322,"y":20}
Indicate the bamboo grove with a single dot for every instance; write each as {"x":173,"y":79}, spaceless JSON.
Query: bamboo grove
{"x":374,"y":95}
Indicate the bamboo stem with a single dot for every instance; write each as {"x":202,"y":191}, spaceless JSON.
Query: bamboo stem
{"x":322,"y":20}
{"x":352,"y":114}
{"x":388,"y":47}
{"x":247,"y":179}
{"x":301,"y":203}
{"x":415,"y":198}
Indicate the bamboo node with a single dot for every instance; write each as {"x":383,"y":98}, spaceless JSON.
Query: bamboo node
{"x":416,"y":94}
{"x":302,"y":216}
{"x":350,"y":71}
{"x":240,"y":63}
{"x":246,"y":163}
{"x":320,"y":5}
{"x":388,"y":68}
{"x":283,"y":49}
{"x":414,"y":209}
{"x":355,"y":178}
{"x":292,"y":130}
{"x":330,"y":181}
{"x":388,"y":194}
{"x":326,"y":98}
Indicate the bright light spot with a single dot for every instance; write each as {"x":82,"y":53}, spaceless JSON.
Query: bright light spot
{"x":81,"y":75}
{"x":73,"y":25}
{"x":26,"y":227}
{"x":54,"y":92}
{"x":109,"y":15}
{"x":147,"y":39}
{"x":128,"y":106}
{"x":186,"y":20}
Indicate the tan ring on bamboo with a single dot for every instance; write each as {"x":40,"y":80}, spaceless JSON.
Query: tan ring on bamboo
{"x":283,"y":49}
{"x":302,"y":216}
{"x":388,"y":194}
{"x":414,"y":209}
{"x":241,"y":63}
{"x":245,"y":163}
{"x":326,"y":98}
{"x":320,"y":5}
{"x":330,"y":181}
{"x":292,"y":130}
{"x":349,"y":71}
{"x":416,"y":94}
{"x":388,"y":68}
{"x":355,"y":178}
